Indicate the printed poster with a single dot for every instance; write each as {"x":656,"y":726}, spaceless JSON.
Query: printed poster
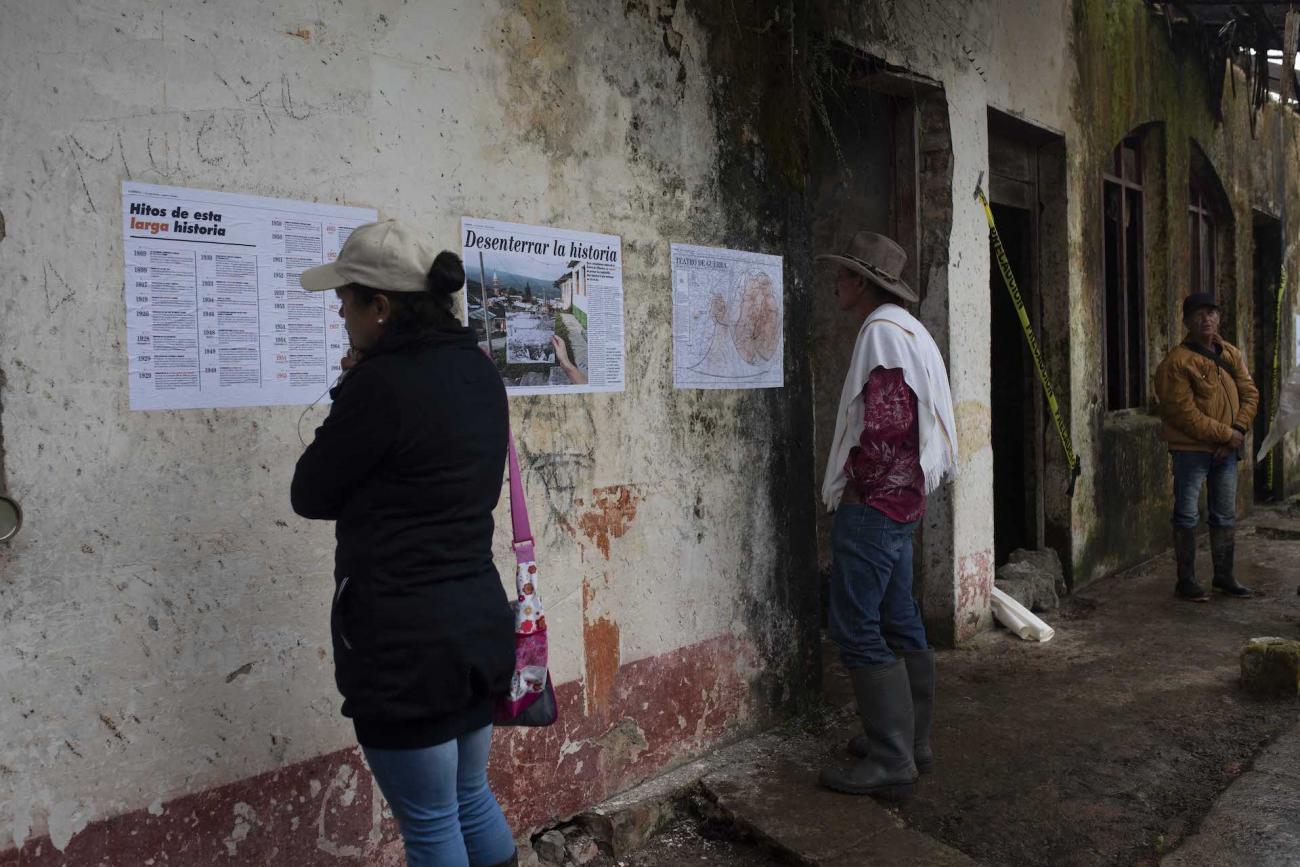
{"x":547,"y":304}
{"x":1297,"y":341}
{"x":728,"y":318}
{"x":215,"y":316}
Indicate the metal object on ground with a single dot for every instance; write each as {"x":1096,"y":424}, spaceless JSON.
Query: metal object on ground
{"x":11,"y":518}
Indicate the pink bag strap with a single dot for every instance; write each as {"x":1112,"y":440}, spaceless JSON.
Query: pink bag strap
{"x":523,"y":541}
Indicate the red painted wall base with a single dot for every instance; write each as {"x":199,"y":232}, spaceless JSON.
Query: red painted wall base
{"x":659,"y":711}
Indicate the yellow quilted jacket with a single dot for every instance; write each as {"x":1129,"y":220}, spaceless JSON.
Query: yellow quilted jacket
{"x":1200,"y":402}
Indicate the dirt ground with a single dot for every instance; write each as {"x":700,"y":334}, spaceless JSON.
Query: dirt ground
{"x":1108,"y":744}
{"x":694,"y":841}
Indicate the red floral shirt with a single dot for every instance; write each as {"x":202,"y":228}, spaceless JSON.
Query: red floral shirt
{"x":885,"y":468}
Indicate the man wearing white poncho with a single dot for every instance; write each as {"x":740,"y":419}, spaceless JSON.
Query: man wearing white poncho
{"x":895,"y":442}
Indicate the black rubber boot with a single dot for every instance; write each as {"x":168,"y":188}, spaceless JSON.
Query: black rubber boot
{"x":1223,"y":545}
{"x":1185,"y":553}
{"x":885,"y":706}
{"x":920,"y":677}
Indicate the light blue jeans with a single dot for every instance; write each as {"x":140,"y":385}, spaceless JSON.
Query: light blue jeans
{"x":1191,"y":472}
{"x":440,"y":797}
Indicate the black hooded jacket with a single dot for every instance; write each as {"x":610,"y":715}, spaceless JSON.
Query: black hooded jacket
{"x":410,"y":463}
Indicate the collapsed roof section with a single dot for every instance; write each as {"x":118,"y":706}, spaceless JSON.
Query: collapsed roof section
{"x":1259,"y":36}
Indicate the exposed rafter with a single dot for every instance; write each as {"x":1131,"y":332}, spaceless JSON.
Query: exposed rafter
{"x":1243,"y":33}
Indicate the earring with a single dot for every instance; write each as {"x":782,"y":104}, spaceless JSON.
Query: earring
{"x":381,"y":322}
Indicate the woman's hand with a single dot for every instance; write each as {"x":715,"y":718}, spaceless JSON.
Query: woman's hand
{"x":350,"y":360}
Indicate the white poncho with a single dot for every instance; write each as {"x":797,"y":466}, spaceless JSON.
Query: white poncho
{"x":893,"y":338}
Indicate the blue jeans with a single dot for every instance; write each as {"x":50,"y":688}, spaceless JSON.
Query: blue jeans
{"x":1191,"y":471}
{"x":441,"y":800}
{"x":872,"y":608}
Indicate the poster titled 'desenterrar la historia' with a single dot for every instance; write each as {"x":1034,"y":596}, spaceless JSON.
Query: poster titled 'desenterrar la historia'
{"x":215,"y":314}
{"x":547,"y":304}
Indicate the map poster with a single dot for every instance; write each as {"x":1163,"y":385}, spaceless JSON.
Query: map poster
{"x":546,"y":304}
{"x":728,"y":318}
{"x":215,"y":316}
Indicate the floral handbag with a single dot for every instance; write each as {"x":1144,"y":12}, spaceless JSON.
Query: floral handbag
{"x":531,"y":699}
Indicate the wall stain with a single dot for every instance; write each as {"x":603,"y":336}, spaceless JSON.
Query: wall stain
{"x":111,"y":725}
{"x":600,"y":640}
{"x":239,"y":672}
{"x":612,"y":511}
{"x":622,"y":745}
{"x":4,"y":481}
{"x":542,"y":87}
{"x":974,"y":591}
{"x":974,"y":428}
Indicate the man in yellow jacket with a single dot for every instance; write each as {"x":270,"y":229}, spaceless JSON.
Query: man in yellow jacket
{"x":1207,"y":401}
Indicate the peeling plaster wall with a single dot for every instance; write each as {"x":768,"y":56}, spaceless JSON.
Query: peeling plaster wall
{"x":1090,"y":71}
{"x":164,"y":611}
{"x":1130,"y":73}
{"x":1012,"y":55}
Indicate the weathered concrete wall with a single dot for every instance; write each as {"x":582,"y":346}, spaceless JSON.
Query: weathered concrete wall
{"x":1275,"y":191}
{"x":1012,"y":55}
{"x":1132,"y":73}
{"x":165,"y":612}
{"x":1093,"y":72}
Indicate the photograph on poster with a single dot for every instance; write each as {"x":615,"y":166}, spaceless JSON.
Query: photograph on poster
{"x":530,"y":308}
{"x":529,"y":337}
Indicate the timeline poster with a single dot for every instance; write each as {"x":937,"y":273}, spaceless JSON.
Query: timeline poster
{"x":215,"y":316}
{"x":1297,"y":341}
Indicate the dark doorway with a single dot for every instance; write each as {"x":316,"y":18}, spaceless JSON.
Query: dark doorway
{"x":1013,"y":399}
{"x":1267,"y":276}
{"x":1026,"y":189}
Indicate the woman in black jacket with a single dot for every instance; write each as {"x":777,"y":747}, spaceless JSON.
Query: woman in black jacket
{"x":409,"y":463}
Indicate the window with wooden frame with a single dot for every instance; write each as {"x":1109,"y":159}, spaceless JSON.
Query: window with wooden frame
{"x":1201,"y":234}
{"x":1124,"y":269}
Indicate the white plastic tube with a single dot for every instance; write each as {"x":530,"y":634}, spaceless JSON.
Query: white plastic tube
{"x":1019,"y":619}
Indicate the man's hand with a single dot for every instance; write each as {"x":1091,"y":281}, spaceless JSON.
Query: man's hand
{"x":1237,"y":441}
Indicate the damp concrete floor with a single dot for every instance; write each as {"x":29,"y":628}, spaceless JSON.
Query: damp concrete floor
{"x":1112,"y":743}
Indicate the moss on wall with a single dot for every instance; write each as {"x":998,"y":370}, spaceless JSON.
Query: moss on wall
{"x":758,"y":57}
{"x":1131,"y":71}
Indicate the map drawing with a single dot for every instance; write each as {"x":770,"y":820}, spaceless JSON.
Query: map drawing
{"x":728,"y":318}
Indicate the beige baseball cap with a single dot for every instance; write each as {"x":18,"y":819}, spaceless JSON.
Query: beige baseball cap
{"x":388,"y":255}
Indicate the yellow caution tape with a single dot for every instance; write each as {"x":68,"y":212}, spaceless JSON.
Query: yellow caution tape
{"x":1277,"y":370}
{"x":1008,"y":277}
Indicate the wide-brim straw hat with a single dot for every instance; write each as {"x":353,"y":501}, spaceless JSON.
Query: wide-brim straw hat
{"x":877,"y":258}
